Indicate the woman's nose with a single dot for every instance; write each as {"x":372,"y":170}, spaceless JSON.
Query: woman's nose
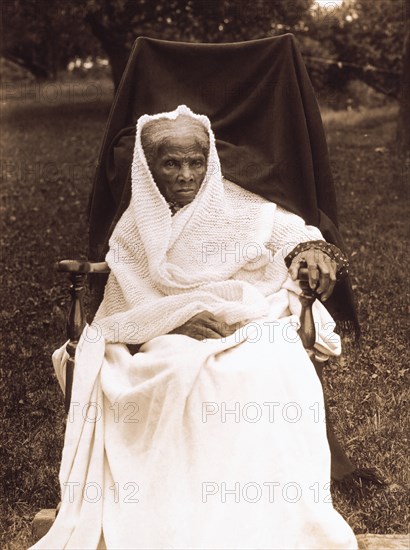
{"x":185,"y":173}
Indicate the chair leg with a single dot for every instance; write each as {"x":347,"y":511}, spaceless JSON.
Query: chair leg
{"x":341,"y":465}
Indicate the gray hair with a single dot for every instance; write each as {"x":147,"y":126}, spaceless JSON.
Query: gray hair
{"x":159,"y":132}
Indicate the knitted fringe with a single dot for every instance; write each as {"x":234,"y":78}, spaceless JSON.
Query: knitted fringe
{"x":359,"y":482}
{"x":348,"y":328}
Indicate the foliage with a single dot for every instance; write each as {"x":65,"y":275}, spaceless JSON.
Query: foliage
{"x":46,"y":33}
{"x":369,"y":36}
{"x":43,"y":35}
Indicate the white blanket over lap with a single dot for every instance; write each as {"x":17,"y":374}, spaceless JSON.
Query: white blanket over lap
{"x":153,"y":457}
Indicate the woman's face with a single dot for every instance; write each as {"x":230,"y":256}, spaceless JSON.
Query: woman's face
{"x":179,"y":169}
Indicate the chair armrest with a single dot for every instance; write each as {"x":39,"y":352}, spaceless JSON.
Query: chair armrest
{"x":307,"y":331}
{"x":77,"y":271}
{"x":81,"y":267}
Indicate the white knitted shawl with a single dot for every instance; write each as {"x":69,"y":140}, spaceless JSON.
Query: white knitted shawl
{"x":210,"y":255}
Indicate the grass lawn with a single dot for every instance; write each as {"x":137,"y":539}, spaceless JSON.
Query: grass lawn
{"x":48,"y":152}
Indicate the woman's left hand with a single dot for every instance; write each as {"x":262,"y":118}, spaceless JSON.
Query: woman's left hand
{"x":322,"y":271}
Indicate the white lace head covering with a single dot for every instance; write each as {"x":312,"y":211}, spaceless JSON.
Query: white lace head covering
{"x":158,"y":132}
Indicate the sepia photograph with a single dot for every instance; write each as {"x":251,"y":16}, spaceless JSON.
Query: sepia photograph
{"x":205,"y":300}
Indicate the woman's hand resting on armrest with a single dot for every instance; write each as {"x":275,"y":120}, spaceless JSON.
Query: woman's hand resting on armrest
{"x":325,"y":262}
{"x":322,"y":271}
{"x":205,"y":325}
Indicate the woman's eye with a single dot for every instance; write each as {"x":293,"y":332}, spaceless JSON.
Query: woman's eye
{"x":198,"y":163}
{"x":170,"y":163}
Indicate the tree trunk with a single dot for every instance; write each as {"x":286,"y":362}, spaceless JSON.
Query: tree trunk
{"x":403,"y":125}
{"x":118,"y":60}
{"x":116,"y":50}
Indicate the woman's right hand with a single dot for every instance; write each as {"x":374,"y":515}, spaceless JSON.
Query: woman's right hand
{"x":205,"y":325}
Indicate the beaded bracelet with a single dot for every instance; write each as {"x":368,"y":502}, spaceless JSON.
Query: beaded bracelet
{"x":331,"y":250}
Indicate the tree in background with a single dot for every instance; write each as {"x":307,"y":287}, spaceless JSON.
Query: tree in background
{"x":368,"y":35}
{"x":369,"y":41}
{"x":43,"y":35}
{"x":117,"y":23}
{"x":403,"y":126}
{"x":360,"y":40}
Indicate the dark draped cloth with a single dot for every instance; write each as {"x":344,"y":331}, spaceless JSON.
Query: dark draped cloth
{"x":265,"y":117}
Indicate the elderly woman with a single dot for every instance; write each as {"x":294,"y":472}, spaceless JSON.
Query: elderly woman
{"x":197,"y":418}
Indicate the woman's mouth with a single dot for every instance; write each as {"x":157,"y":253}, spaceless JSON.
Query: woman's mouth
{"x":185,"y":191}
